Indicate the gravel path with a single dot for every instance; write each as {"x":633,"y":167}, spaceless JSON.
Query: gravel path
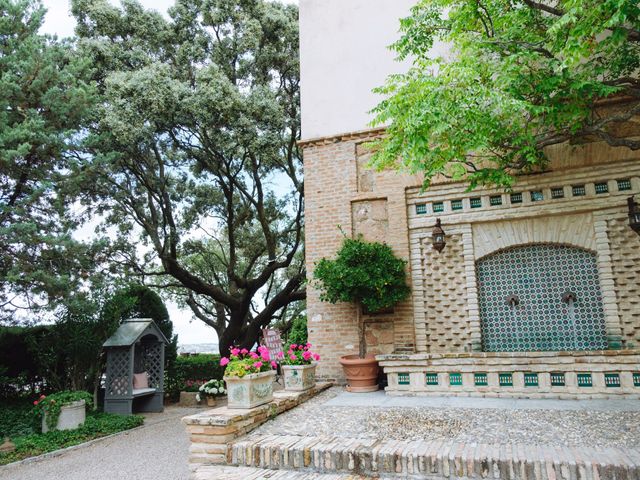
{"x":157,"y":451}
{"x":579,"y":427}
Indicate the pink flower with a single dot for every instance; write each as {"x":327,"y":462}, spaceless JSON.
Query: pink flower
{"x":254,"y":355}
{"x":235,"y":352}
{"x":292,"y":346}
{"x":244,"y":351}
{"x":308,"y":345}
{"x":300,"y":347}
{"x":257,"y":364}
{"x":265,"y":355}
{"x":246,"y":367}
{"x":274,"y":365}
{"x":280,"y":354}
{"x":293,"y":357}
{"x":35,"y":402}
{"x":306,"y":355}
{"x":316,"y":357}
{"x":224,"y":361}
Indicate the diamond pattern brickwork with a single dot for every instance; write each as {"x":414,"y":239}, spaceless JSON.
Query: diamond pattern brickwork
{"x":625,"y":259}
{"x":445,"y":297}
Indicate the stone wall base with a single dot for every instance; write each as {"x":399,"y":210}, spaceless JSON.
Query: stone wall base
{"x":594,"y":374}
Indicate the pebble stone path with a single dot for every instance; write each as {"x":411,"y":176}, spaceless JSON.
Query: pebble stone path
{"x":156,"y":451}
{"x":326,"y":415}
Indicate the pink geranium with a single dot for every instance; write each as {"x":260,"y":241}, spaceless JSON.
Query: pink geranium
{"x":257,"y":364}
{"x":300,"y":355}
{"x":235,"y":352}
{"x":224,"y":361}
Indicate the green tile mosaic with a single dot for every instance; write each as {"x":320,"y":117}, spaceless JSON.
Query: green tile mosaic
{"x":624,"y":184}
{"x":475,"y":202}
{"x":557,"y":379}
{"x":480,"y":379}
{"x":602,"y":187}
{"x":455,"y":379}
{"x":539,"y":275}
{"x":421,"y":209}
{"x":505,"y":379}
{"x":516,"y":197}
{"x":432,"y":379}
{"x":585,"y":380}
{"x":530,"y":379}
{"x":557,"y":192}
{"x":537,"y":196}
{"x":636,"y":379}
{"x":456,"y":205}
{"x":612,"y":379}
{"x":438,"y":207}
{"x":578,"y":190}
{"x":495,"y":200}
{"x":404,"y":379}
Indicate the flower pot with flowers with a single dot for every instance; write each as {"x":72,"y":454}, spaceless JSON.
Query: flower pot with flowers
{"x":249,"y":377}
{"x":299,"y":367}
{"x":63,"y":410}
{"x":210,"y":390}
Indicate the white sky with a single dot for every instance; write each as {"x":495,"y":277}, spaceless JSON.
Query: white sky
{"x":60,"y":22}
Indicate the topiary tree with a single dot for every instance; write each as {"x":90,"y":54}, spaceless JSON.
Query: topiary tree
{"x":364,"y":272}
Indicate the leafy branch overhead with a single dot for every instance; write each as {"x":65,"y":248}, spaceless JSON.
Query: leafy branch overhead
{"x":519,"y":76}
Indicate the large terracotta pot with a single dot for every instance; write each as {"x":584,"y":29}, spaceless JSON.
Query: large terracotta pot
{"x":361,"y":373}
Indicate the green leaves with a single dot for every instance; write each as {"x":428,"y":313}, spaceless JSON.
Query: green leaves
{"x":364,"y":272}
{"x":519,"y":76}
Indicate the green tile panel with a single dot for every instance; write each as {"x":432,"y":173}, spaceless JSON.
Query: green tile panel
{"x":505,"y":379}
{"x":585,"y":380}
{"x":432,"y":379}
{"x":403,"y":379}
{"x":636,"y":379}
{"x":455,"y":379}
{"x":557,"y":379}
{"x":480,"y":379}
{"x":612,"y":380}
{"x":530,"y":379}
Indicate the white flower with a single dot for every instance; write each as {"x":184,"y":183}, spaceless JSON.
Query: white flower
{"x":197,"y":397}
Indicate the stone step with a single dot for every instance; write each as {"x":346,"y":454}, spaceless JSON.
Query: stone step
{"x":219,"y":472}
{"x":433,"y":459}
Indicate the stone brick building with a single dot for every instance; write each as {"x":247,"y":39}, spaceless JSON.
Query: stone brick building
{"x":536,"y":293}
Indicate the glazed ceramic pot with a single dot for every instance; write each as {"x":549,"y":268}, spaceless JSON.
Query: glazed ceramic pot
{"x":251,"y":390}
{"x":299,"y":377}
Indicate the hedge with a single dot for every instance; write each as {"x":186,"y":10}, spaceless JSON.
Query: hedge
{"x":193,"y":368}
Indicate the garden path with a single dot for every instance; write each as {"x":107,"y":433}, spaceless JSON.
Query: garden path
{"x":158,"y":450}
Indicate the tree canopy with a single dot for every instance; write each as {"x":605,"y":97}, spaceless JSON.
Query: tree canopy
{"x":191,"y":155}
{"x":519,"y":76}
{"x":45,"y":96}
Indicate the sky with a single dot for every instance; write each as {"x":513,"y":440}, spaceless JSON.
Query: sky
{"x":60,"y":22}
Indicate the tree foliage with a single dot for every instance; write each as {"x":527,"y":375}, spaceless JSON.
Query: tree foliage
{"x":45,"y":96}
{"x":520,"y":76}
{"x":198,"y":121}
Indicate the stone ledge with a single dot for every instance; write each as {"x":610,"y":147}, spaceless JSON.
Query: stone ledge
{"x":482,"y":355}
{"x":213,"y":431}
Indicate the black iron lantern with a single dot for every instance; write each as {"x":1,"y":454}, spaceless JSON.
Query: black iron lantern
{"x":634,"y":215}
{"x":438,"y":237}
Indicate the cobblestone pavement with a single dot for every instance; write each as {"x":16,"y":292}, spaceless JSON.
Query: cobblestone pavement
{"x":531,"y":426}
{"x":157,"y":451}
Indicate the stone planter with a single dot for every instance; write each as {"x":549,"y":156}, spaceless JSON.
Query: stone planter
{"x":361,"y":373}
{"x":299,"y":377}
{"x":188,"y":399}
{"x":71,"y":417}
{"x":251,"y":390}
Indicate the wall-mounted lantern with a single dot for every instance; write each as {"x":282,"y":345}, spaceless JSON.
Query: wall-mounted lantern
{"x":438,"y":237}
{"x":634,"y":215}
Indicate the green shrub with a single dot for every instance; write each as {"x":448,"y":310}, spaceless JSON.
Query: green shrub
{"x":298,"y":332}
{"x":192,"y":371}
{"x":363,"y":272}
{"x":17,"y":419}
{"x":96,"y":425}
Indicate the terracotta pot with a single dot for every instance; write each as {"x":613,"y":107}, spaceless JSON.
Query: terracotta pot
{"x":211,"y":401}
{"x":361,"y":373}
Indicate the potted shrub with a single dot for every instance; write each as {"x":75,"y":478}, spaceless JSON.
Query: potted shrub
{"x":299,"y":367}
{"x":249,"y":377}
{"x":369,"y":274}
{"x":63,"y":410}
{"x":210,"y":390}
